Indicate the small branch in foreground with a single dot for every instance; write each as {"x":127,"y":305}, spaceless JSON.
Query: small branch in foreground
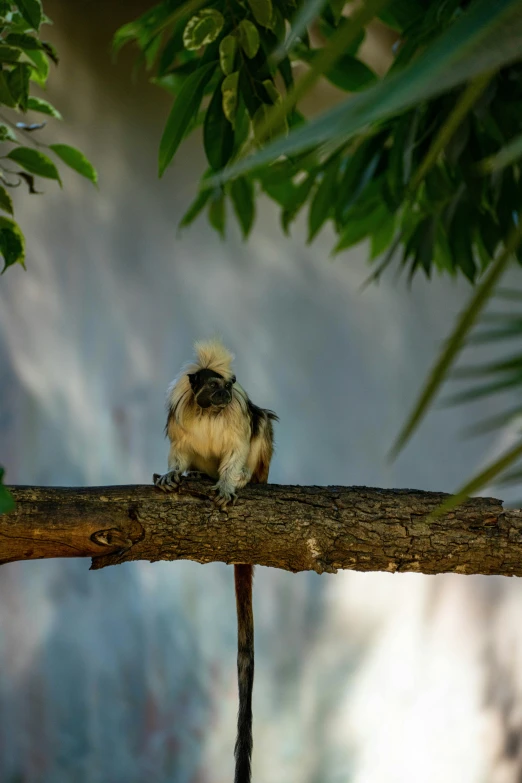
{"x":291,"y":527}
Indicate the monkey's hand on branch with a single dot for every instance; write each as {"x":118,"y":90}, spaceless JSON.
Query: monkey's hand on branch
{"x":224,"y":495}
{"x":168,"y":482}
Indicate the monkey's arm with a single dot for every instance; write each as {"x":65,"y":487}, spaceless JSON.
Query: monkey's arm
{"x":233,"y":474}
{"x":178,"y":463}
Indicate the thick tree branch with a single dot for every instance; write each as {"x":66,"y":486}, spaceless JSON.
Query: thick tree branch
{"x":291,"y":527}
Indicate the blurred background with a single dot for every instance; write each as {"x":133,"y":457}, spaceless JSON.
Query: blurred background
{"x":128,"y":674}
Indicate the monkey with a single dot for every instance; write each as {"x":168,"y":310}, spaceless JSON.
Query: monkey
{"x":215,"y":429}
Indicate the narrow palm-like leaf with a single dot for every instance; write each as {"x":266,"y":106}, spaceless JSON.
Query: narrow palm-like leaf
{"x":308,"y":11}
{"x":504,"y":157}
{"x":461,"y":108}
{"x":479,"y":481}
{"x":509,"y":293}
{"x":476,"y":392}
{"x":512,"y":477}
{"x":492,"y":368}
{"x":456,"y":340}
{"x":494,"y":422}
{"x":486,"y":37}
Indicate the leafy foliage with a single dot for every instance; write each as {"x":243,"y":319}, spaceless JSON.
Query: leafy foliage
{"x":25,"y":58}
{"x":420,"y":163}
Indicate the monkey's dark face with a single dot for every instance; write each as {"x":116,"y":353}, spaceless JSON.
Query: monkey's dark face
{"x":211,"y":389}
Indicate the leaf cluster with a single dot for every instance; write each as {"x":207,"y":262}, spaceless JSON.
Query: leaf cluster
{"x":25,"y":61}
{"x":416,"y":162}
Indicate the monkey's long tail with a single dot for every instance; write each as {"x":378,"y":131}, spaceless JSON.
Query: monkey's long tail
{"x":243,"y":577}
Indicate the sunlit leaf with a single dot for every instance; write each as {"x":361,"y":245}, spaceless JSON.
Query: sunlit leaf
{"x":227,"y":54}
{"x":75,"y":160}
{"x":248,"y":38}
{"x":12,"y":243}
{"x":262,"y":11}
{"x":43,"y":106}
{"x":229,"y":96}
{"x":35,"y":162}
{"x":485,"y":37}
{"x":6,"y":202}
{"x":7,"y":133}
{"x":203,"y":28}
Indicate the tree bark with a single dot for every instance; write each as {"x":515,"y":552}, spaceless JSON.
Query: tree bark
{"x":292,"y":527}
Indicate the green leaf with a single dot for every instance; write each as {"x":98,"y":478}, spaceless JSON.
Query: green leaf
{"x":43,"y":106}
{"x":229,"y":96}
{"x":456,"y":340}
{"x":5,"y":93}
{"x":40,"y":74}
{"x":479,"y":481}
{"x":227,"y":54}
{"x":7,"y":134}
{"x":401,"y":14}
{"x":470,"y":47}
{"x":32,"y":12}
{"x":324,"y":200}
{"x":34,"y":161}
{"x":460,"y":241}
{"x":248,"y":38}
{"x":9,"y":54}
{"x":12,"y":243}
{"x":348,"y":73}
{"x":359,"y":226}
{"x":262,"y":11}
{"x":218,"y":133}
{"x":23,"y":41}
{"x":504,"y":157}
{"x":216,"y":213}
{"x":18,"y":81}
{"x":50,"y":51}
{"x":307,"y":13}
{"x":6,"y":202}
{"x":195,"y":208}
{"x":203,"y":28}
{"x":242,"y":196}
{"x":6,"y":499}
{"x":75,"y":160}
{"x":185,"y":107}
{"x":382,"y":235}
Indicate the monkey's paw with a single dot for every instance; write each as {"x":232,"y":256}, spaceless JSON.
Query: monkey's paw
{"x":168,"y":482}
{"x":224,"y":497}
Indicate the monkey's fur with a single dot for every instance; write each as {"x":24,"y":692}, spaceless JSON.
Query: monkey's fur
{"x":214,"y":428}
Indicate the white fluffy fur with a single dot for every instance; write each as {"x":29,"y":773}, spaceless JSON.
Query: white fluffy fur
{"x":210,"y":355}
{"x":217,"y":443}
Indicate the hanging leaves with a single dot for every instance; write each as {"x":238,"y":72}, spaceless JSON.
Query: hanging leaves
{"x":203,"y":28}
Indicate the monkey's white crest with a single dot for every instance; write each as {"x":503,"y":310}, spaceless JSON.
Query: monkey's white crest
{"x":210,"y":355}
